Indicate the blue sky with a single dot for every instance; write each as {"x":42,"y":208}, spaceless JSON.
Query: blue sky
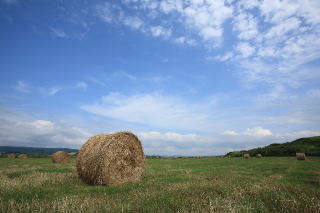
{"x":188,"y":77}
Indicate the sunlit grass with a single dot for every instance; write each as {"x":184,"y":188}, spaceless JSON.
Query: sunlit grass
{"x":169,"y":185}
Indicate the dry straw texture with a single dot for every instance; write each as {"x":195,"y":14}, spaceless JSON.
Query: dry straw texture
{"x":259,"y":156}
{"x":111,"y":159}
{"x":11,"y":156}
{"x":246,"y":156}
{"x":301,"y":156}
{"x":60,"y":157}
{"x":22,"y":156}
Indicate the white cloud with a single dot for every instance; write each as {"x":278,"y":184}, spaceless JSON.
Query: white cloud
{"x":59,"y":33}
{"x":50,"y":91}
{"x":276,"y":11}
{"x":133,"y":22}
{"x":159,"y":31}
{"x":245,"y":49}
{"x":17,"y":131}
{"x":54,"y":90}
{"x":81,"y":84}
{"x":222,"y":58}
{"x":257,"y":131}
{"x":246,"y":25}
{"x":185,"y":40}
{"x":170,"y":136}
{"x":199,"y":18}
{"x":254,"y":132}
{"x":230,"y":132}
{"x":22,"y":130}
{"x":22,"y":86}
{"x":109,"y":12}
{"x":125,"y":75}
{"x":282,"y":28}
{"x":155,"y":110}
{"x":281,"y":38}
{"x":210,"y":33}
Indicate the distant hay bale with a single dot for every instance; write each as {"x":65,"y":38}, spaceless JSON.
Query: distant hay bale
{"x":111,"y":159}
{"x":22,"y":156}
{"x":11,"y":156}
{"x":246,"y":155}
{"x":60,"y":157}
{"x":301,"y":156}
{"x":259,"y":156}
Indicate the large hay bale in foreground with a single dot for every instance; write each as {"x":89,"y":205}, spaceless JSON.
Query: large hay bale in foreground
{"x":246,"y":155}
{"x":11,"y":156}
{"x":259,"y":156}
{"x":301,"y":156}
{"x":22,"y":156}
{"x":60,"y":157}
{"x":111,"y":159}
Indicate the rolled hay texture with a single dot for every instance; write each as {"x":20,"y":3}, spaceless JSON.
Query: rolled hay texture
{"x":259,"y":156}
{"x":11,"y":156}
{"x":60,"y":157}
{"x":301,"y":156}
{"x":22,"y":156}
{"x":111,"y":159}
{"x":246,"y":155}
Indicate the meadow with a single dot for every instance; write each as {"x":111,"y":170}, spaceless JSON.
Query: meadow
{"x":269,"y":184}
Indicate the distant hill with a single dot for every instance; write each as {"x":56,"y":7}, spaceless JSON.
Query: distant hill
{"x":310,"y":146}
{"x":33,"y":150}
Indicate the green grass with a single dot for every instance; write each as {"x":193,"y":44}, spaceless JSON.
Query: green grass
{"x":270,"y":184}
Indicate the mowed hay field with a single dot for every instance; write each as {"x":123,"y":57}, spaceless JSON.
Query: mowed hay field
{"x":269,"y":184}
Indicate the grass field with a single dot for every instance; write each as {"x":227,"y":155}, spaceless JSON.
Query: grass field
{"x":271,"y":184}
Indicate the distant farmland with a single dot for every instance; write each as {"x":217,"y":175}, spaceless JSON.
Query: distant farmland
{"x":270,"y":184}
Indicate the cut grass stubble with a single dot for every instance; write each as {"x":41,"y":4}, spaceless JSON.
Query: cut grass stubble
{"x":169,"y":185}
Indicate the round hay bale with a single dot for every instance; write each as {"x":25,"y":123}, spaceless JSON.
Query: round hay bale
{"x":259,"y":156}
{"x":22,"y":156}
{"x":11,"y":156}
{"x":60,"y":157}
{"x":246,"y":155}
{"x":111,"y":159}
{"x":301,"y":156}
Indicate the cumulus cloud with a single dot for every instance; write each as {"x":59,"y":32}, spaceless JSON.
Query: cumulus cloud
{"x":19,"y":129}
{"x":171,"y":143}
{"x":255,"y":131}
{"x":23,"y":131}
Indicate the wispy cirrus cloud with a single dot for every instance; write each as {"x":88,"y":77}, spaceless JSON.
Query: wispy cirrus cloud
{"x":22,"y":86}
{"x":50,"y":91}
{"x":154,"y":110}
{"x":59,"y":33}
